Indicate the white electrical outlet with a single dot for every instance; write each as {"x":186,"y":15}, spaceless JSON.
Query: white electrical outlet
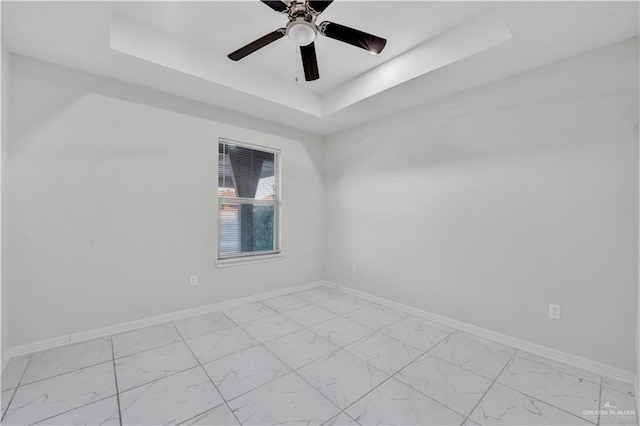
{"x":194,"y":280}
{"x":354,"y":268}
{"x":554,"y":311}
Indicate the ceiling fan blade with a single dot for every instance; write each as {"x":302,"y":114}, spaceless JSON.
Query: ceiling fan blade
{"x":257,"y":44}
{"x":373,"y":44}
{"x":319,"y":6}
{"x":310,"y":62}
{"x":276,"y":5}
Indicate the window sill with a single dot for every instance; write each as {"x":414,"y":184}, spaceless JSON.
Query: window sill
{"x":238,"y":261}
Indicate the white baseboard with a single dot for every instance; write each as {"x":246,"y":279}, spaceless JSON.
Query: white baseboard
{"x":146,"y":322}
{"x":544,"y":351}
{"x":553,"y":354}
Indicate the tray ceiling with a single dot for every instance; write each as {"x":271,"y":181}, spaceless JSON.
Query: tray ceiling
{"x":434,"y":49}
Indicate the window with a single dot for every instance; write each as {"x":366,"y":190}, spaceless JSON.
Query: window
{"x":247,"y":200}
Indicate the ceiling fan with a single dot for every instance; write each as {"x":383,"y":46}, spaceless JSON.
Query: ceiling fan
{"x":303,"y":30}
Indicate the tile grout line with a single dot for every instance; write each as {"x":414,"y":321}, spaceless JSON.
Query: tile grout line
{"x":465,"y":368}
{"x":184,"y":422}
{"x":452,"y":364}
{"x":62,"y":374}
{"x":516,"y":352}
{"x":490,"y":386}
{"x":118,"y":358}
{"x":7,"y":407}
{"x":546,"y":403}
{"x":339,"y":347}
{"x":158,"y":379}
{"x":305,"y":380}
{"x":428,"y":354}
{"x":117,"y":394}
{"x":83,"y":405}
{"x":167,"y":344}
{"x":600,"y":400}
{"x":263,"y":344}
{"x":368,"y":303}
{"x":308,"y":328}
{"x":373,"y":331}
{"x":344,"y":316}
{"x":283,"y":313}
{"x":258,"y":344}
{"x":385,"y":335}
{"x":240,"y":325}
{"x":17,"y":387}
{"x":542,"y":401}
{"x":104,"y":362}
{"x":148,"y":349}
{"x":115,"y":376}
{"x":307,"y":304}
{"x":407,"y":365}
{"x":72,"y":409}
{"x":391,"y":376}
{"x":525,"y":394}
{"x":209,"y":377}
{"x":294,"y":372}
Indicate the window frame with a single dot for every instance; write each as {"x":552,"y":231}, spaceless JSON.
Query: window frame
{"x":254,"y":256}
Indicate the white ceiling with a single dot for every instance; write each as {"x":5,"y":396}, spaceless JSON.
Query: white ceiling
{"x":434,"y":49}
{"x":225,"y":26}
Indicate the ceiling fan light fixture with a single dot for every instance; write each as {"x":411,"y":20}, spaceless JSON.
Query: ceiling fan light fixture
{"x":302,"y":32}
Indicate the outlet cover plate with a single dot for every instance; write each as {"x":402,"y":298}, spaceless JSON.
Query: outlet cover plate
{"x":555,"y":311}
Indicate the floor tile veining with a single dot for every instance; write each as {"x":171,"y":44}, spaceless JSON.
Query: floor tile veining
{"x":318,"y":356}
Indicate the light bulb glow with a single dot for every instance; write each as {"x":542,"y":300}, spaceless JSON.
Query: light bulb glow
{"x":301,"y":33}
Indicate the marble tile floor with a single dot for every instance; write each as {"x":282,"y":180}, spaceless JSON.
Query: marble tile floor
{"x":314,"y":357}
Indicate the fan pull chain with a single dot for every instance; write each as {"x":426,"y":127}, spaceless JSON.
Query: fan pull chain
{"x":296,"y":64}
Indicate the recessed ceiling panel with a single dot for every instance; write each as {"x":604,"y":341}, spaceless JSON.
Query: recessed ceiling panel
{"x":161,"y":35}
{"x":224,"y":26}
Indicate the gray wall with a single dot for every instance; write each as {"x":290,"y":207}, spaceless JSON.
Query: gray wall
{"x":484,"y":207}
{"x":4,"y":290}
{"x":112,"y":203}
{"x":490,"y":205}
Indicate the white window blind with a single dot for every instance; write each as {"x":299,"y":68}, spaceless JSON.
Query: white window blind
{"x":247,"y":200}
